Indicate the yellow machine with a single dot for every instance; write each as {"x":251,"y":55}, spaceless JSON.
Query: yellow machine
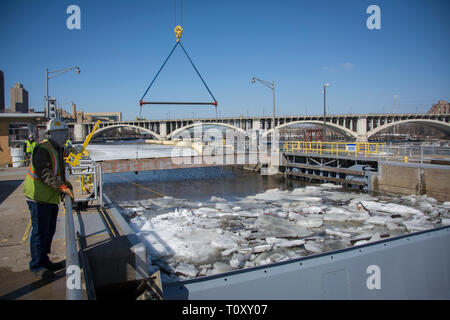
{"x":72,"y":158}
{"x":86,"y":181}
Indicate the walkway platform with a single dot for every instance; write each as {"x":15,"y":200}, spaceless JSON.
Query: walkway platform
{"x":98,"y":235}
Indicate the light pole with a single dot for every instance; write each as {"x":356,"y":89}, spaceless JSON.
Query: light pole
{"x":271,"y":86}
{"x":325,"y":86}
{"x":53,"y":74}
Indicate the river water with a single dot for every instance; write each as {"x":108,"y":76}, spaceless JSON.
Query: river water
{"x":204,"y":221}
{"x":198,"y":184}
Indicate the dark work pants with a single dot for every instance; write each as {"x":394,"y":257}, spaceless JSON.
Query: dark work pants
{"x":43,"y":220}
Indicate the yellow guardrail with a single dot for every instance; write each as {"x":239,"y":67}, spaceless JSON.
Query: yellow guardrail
{"x":365,"y":149}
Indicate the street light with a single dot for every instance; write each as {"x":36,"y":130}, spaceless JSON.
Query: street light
{"x":271,"y":86}
{"x":53,"y":74}
{"x":325,"y":86}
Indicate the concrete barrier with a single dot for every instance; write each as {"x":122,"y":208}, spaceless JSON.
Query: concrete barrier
{"x":412,"y":178}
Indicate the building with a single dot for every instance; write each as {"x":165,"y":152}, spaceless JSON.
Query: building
{"x":442,"y":107}
{"x":14,"y":130}
{"x":94,"y":116}
{"x":2,"y":91}
{"x":19,"y":98}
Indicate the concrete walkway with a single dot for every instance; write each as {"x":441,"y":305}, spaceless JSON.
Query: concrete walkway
{"x":16,"y":281}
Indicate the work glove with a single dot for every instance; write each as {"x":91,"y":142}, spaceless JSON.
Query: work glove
{"x":66,"y":190}
{"x":68,"y":184}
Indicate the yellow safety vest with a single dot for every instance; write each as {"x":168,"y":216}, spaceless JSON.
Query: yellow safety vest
{"x":30,"y":146}
{"x":34,"y":188}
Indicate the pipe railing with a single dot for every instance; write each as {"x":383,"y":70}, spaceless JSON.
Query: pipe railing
{"x":73,"y":270}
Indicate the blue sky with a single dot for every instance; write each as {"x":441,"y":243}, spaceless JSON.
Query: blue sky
{"x":298,"y":44}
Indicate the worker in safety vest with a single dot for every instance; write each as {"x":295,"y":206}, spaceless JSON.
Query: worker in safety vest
{"x":28,"y":147}
{"x":44,"y":187}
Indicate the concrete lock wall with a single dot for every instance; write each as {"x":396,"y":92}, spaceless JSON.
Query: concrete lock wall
{"x":401,"y":178}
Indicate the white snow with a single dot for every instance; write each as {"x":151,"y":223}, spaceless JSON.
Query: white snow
{"x":100,"y":152}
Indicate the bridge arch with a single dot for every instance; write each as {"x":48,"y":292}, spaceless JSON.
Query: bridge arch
{"x":440,"y":125}
{"x":105,"y":128}
{"x":192,"y":125}
{"x":331,"y":125}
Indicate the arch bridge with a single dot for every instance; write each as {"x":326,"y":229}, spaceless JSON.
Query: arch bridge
{"x":357,"y":127}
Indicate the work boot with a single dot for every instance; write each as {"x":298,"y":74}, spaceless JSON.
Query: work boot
{"x":55,"y":266}
{"x":44,"y":273}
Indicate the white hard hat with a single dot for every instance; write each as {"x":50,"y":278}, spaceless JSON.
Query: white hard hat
{"x":56,"y":124}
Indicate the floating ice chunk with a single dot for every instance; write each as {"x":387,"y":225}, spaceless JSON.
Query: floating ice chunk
{"x":278,"y":257}
{"x":224,"y":241}
{"x":227,"y":252}
{"x":432,"y":200}
{"x":426,"y":206}
{"x":238,"y":260}
{"x":280,"y":228}
{"x":416,"y":225}
{"x":367,"y":238}
{"x":445,"y":222}
{"x":360,"y":242}
{"x":312,"y":221}
{"x":206,"y":210}
{"x":390,"y":208}
{"x":446,"y":204}
{"x":336,"y":217}
{"x":203,"y":272}
{"x":245,"y":251}
{"x":222,"y":207}
{"x":339,"y":211}
{"x":283,"y":214}
{"x":217,"y":199}
{"x":313,"y":247}
{"x":209,"y":223}
{"x":290,"y":243}
{"x":379,"y":220}
{"x":186,"y":270}
{"x":394,"y":227}
{"x":360,"y":217}
{"x":337,"y":233}
{"x":263,"y":261}
{"x":312,"y":209}
{"x":219,"y":267}
{"x":331,"y":186}
{"x":273,"y":240}
{"x":294,"y":215}
{"x":262,"y":248}
{"x":236,"y":208}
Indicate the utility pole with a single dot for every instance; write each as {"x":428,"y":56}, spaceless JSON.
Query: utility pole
{"x":325,"y":110}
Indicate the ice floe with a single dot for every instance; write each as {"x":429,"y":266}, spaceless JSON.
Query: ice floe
{"x":194,"y":239}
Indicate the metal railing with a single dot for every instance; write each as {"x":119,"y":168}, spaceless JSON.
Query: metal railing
{"x":357,"y":149}
{"x":73,"y":270}
{"x":389,"y":152}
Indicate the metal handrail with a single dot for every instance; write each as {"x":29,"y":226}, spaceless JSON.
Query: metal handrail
{"x":365,"y":149}
{"x":73,"y":270}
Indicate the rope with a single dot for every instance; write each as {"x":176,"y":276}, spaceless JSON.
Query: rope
{"x":138,"y":185}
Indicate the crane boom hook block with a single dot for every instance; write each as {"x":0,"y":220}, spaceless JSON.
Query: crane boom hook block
{"x":178,"y":33}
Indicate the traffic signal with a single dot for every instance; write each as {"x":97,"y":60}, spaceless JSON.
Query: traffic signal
{"x":52,"y":108}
